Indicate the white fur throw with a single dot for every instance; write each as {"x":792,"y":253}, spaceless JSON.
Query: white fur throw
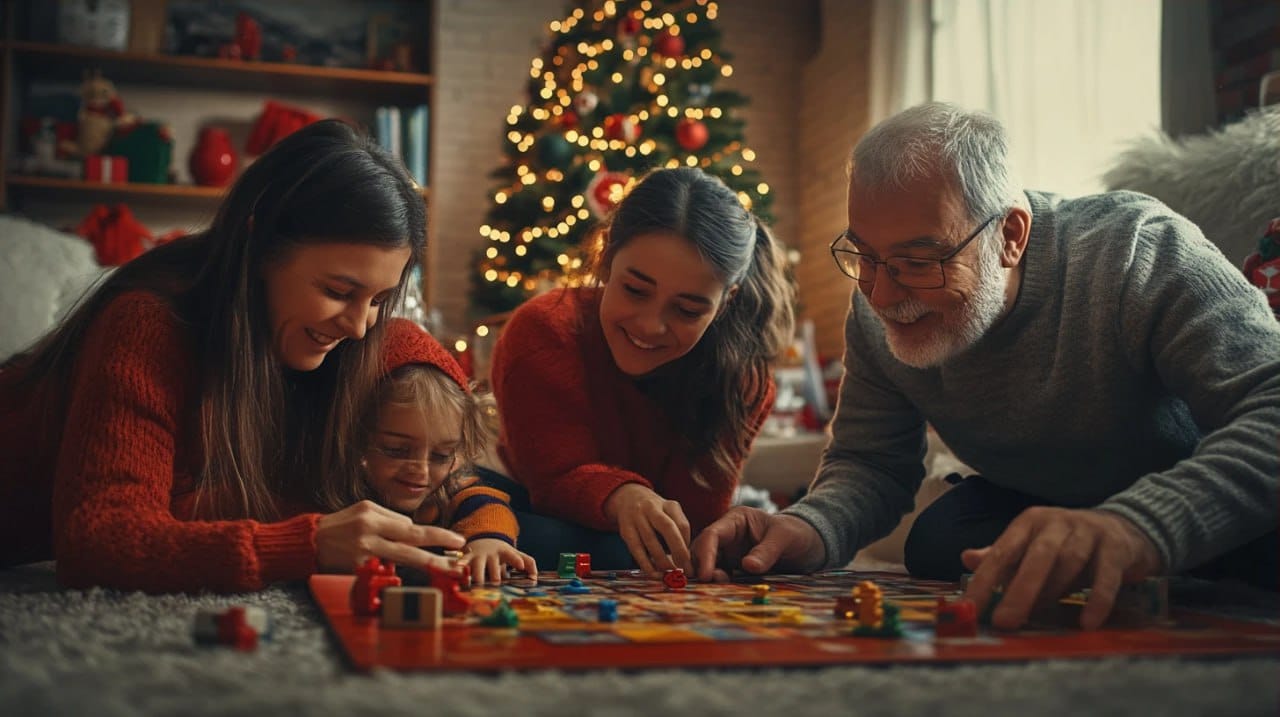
{"x":1226,"y":181}
{"x":43,"y":272}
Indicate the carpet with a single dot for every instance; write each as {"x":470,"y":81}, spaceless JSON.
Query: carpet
{"x":102,"y":652}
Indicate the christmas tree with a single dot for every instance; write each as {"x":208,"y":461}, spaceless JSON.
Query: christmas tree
{"x":621,"y":87}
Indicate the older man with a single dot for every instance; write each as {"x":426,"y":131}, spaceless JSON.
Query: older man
{"x":1113,"y":378}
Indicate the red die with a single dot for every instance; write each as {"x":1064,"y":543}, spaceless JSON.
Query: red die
{"x":674,"y":579}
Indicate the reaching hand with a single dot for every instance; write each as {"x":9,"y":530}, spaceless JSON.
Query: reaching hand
{"x":645,"y":521}
{"x":486,"y":556}
{"x":757,"y":542}
{"x":1047,"y":552}
{"x":346,"y":538}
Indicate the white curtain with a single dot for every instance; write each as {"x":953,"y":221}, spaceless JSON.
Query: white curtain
{"x":901,"y":48}
{"x":1072,"y":80}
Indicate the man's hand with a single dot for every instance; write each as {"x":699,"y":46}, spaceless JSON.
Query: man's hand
{"x":1047,"y":552}
{"x":757,"y":542}
{"x":645,"y":521}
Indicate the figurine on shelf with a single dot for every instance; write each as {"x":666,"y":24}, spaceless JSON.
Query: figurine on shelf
{"x":101,"y":112}
{"x":248,"y":37}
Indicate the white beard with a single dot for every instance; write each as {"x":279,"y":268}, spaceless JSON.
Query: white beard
{"x":985,"y":306}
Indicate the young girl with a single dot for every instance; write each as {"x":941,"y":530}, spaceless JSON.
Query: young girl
{"x":628,"y":408}
{"x":425,"y":427}
{"x":183,"y":429}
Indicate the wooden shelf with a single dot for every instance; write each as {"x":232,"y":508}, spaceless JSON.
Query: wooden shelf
{"x":69,"y":61}
{"x":120,"y":189}
{"x":126,"y":190}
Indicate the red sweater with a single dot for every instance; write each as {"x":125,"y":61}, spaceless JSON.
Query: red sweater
{"x":575,"y":428}
{"x":120,"y":481}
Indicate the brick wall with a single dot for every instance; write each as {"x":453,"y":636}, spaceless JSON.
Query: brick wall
{"x":802,"y":63}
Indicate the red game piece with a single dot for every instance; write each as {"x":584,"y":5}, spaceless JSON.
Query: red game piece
{"x":674,"y":579}
{"x":451,"y":586}
{"x":957,"y":618}
{"x":846,"y":607}
{"x":235,"y":631}
{"x":583,"y":565}
{"x":366,"y":592}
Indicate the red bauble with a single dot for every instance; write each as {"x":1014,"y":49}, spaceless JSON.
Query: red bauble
{"x":604,"y":191}
{"x":691,"y":134}
{"x":621,"y":126}
{"x":629,"y":25}
{"x":569,"y":119}
{"x":668,"y":45}
{"x":213,"y":161}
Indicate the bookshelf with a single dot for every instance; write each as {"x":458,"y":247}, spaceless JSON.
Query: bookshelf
{"x":186,"y":93}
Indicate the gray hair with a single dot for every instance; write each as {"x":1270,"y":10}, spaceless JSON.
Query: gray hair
{"x":937,"y":139}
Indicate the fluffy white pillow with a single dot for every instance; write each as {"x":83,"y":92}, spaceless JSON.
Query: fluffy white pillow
{"x":43,"y":272}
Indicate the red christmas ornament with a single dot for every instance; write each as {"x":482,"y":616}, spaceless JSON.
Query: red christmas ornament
{"x":629,"y":25}
{"x":605,"y":191}
{"x":691,"y":134}
{"x":668,"y":45}
{"x":621,"y":126}
{"x":569,"y":119}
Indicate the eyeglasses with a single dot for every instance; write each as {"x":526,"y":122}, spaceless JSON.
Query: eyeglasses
{"x":909,"y":271}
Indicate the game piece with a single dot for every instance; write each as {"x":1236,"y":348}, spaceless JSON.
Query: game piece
{"x":582,"y":566}
{"x":371,"y":577}
{"x":575,"y":587}
{"x":868,"y":598}
{"x":675,"y":579}
{"x":568,"y":565}
{"x":451,"y":588}
{"x":888,"y":626}
{"x":956,"y":618}
{"x":846,"y":607}
{"x":238,"y":626}
{"x":761,"y":594}
{"x":502,"y":616}
{"x":453,"y":554}
{"x":608,"y":610}
{"x":613,"y":574}
{"x":412,"y":608}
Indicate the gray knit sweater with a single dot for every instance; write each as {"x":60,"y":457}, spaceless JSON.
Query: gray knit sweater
{"x":1137,"y":372}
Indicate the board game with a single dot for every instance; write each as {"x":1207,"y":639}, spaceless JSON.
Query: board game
{"x":719,"y":625}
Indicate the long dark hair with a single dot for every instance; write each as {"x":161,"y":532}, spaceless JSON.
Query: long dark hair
{"x":265,"y":433}
{"x":711,"y":393}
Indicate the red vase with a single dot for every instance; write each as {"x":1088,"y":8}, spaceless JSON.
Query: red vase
{"x":213,"y":161}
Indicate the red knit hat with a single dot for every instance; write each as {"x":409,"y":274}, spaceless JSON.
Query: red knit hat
{"x":407,"y":343}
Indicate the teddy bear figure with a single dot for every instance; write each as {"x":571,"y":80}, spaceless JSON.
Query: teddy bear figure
{"x":101,"y":111}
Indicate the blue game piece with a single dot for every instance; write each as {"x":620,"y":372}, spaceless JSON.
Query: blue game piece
{"x":575,"y":587}
{"x":608,"y":610}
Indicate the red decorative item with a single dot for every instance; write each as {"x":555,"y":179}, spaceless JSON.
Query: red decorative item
{"x":289,"y":53}
{"x":1262,"y":267}
{"x":229,"y":51}
{"x":115,"y":234}
{"x":691,"y":134}
{"x":213,"y":160}
{"x":621,"y":126}
{"x":569,"y":119}
{"x":276,"y":122}
{"x":629,"y":25}
{"x":668,"y":45}
{"x":248,"y":37}
{"x":605,"y":191}
{"x":106,"y":169}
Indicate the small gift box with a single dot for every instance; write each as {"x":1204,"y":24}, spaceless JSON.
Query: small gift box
{"x":105,"y":168}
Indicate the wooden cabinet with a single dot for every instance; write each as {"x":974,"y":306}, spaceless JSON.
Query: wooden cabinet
{"x":186,"y":93}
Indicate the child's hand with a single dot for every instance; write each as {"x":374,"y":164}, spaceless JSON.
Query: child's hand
{"x":486,"y":556}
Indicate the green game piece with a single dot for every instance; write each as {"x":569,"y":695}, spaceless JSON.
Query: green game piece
{"x":760,"y":600}
{"x":568,"y":565}
{"x":889,"y":624}
{"x":502,"y":616}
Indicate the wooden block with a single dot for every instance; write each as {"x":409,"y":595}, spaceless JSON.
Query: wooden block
{"x":412,"y":608}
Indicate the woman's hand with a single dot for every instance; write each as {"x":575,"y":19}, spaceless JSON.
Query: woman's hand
{"x":646,"y":521}
{"x":347,"y":538}
{"x":486,"y":556}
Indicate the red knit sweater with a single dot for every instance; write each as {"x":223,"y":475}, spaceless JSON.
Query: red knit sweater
{"x":118,"y":469}
{"x":575,"y":428}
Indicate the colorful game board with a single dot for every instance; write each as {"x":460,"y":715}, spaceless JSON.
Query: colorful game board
{"x":707,"y":625}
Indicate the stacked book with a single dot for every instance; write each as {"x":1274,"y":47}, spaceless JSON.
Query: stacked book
{"x":403,"y":133}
